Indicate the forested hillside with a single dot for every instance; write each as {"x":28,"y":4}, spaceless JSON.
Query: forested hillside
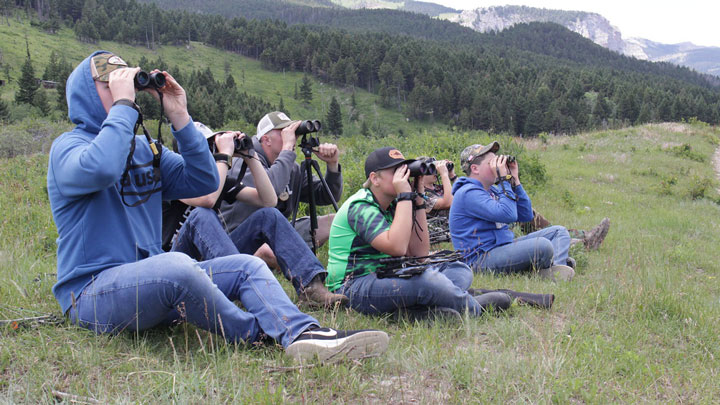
{"x":530,"y":79}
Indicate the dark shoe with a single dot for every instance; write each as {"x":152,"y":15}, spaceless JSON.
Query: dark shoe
{"x":431,"y":314}
{"x":522,"y":298}
{"x":317,"y":295}
{"x":594,"y":237}
{"x":330,"y":345}
{"x":571,"y":262}
{"x":497,"y":301}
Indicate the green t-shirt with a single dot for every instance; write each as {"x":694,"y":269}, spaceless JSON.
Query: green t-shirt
{"x":356,"y":224}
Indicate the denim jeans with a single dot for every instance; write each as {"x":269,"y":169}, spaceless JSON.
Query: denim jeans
{"x":171,"y":286}
{"x":268,"y":225}
{"x":537,"y":250}
{"x":203,"y":237}
{"x":442,"y":285}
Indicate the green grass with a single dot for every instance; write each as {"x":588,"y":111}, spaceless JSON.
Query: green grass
{"x":638,"y":323}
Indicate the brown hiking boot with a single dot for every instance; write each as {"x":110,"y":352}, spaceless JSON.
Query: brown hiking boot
{"x":594,"y":237}
{"x":316,"y":294}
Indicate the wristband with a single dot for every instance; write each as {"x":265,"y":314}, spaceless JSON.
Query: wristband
{"x":406,"y":196}
{"x":221,"y":157}
{"x":420,"y":206}
{"x":127,"y":102}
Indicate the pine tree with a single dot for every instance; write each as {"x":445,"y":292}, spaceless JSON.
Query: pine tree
{"x":27,"y":82}
{"x":364,"y":130}
{"x":296,"y":96}
{"x":353,"y":116}
{"x":334,"y":118}
{"x":281,"y":105}
{"x":4,"y":112}
{"x":64,"y":70}
{"x":52,"y":68}
{"x":40,"y":101}
{"x":306,"y":90}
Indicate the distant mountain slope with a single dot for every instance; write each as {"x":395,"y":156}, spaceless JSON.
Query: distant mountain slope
{"x":597,"y":28}
{"x":421,"y":7}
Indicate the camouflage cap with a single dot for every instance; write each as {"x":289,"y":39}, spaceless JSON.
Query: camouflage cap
{"x":473,"y":151}
{"x":103,"y":63}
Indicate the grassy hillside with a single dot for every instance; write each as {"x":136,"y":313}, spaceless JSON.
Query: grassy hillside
{"x":638,"y":323}
{"x":248,"y":74}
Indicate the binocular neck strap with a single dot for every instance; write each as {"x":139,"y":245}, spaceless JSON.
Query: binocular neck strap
{"x":156,"y":148}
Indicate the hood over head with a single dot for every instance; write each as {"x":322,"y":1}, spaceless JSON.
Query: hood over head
{"x":85,"y":108}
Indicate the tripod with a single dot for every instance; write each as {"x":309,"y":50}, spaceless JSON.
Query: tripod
{"x":306,"y":168}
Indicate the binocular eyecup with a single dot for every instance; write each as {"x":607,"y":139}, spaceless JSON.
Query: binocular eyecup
{"x":243,"y":144}
{"x":420,"y":168}
{"x":308,"y":126}
{"x":144,"y":80}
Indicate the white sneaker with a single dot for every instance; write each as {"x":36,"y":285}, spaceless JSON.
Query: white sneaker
{"x":558,"y":272}
{"x":330,"y":345}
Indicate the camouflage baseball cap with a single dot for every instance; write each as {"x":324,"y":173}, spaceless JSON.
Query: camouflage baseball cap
{"x":273,"y":120}
{"x":473,"y":151}
{"x":103,"y":63}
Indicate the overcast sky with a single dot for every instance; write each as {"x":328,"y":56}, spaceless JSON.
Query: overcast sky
{"x":669,"y":22}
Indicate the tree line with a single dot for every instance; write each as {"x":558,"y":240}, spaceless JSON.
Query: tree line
{"x":529,"y":79}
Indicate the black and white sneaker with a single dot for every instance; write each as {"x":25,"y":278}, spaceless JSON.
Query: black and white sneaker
{"x":330,"y":345}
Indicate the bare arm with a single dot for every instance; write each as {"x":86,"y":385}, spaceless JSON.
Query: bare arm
{"x":263,"y":194}
{"x":225,"y":143}
{"x":395,"y":241}
{"x":446,"y":200}
{"x":419,"y":236}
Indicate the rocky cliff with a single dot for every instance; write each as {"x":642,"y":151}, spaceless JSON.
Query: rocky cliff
{"x":596,"y":28}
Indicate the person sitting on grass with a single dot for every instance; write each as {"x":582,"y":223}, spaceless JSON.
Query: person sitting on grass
{"x":199,"y":233}
{"x":387,"y":218}
{"x":105,"y":187}
{"x":438,"y":193}
{"x":484,"y":203}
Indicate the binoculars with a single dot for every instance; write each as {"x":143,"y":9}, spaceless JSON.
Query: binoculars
{"x":420,"y":168}
{"x":307,"y":127}
{"x":243,"y":144}
{"x":144,"y":80}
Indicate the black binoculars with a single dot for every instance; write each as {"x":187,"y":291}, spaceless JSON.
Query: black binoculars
{"x":243,"y":144}
{"x":510,"y":159}
{"x":144,"y":80}
{"x":420,"y":168}
{"x":307,"y":127}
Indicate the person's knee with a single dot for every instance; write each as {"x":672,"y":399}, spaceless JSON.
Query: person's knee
{"x":201,"y":214}
{"x":180,"y":268}
{"x":270,"y":214}
{"x":544,"y":253}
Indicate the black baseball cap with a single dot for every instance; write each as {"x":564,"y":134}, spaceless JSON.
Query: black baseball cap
{"x":384,"y":158}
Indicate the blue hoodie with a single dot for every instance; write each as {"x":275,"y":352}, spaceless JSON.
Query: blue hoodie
{"x":479,"y":218}
{"x":96,"y":230}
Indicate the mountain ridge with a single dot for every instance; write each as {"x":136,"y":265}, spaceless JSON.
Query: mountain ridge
{"x":597,"y":28}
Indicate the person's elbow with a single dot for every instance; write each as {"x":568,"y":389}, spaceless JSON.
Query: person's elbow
{"x":270,"y":201}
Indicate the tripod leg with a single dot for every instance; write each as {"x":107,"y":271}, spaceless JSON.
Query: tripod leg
{"x":316,"y":166}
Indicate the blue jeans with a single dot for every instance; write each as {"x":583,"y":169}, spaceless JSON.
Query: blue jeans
{"x":203,"y":237}
{"x":171,"y":286}
{"x":537,"y":250}
{"x":442,"y":285}
{"x":268,"y":225}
